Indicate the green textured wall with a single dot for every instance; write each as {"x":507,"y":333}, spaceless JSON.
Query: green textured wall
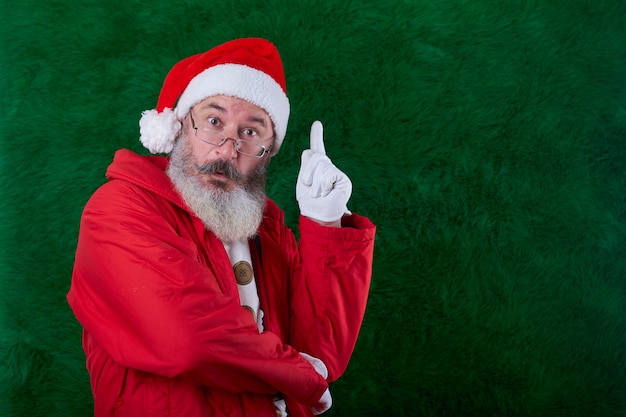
{"x":486,"y":139}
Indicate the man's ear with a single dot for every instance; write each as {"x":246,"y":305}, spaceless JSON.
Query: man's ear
{"x":186,"y":124}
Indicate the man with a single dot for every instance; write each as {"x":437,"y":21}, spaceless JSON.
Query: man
{"x":194,"y":296}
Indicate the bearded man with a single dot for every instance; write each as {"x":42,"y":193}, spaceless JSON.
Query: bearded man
{"x":195,"y":298}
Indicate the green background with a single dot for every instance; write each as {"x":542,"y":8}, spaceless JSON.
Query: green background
{"x":485,"y":139}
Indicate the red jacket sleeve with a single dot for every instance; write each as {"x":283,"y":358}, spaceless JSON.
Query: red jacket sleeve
{"x":330,"y":289}
{"x":139,"y":289}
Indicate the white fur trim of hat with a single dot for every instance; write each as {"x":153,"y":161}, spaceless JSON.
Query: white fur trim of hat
{"x":248,"y":68}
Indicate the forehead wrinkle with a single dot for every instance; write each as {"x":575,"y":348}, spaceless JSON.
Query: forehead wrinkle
{"x":213,"y":105}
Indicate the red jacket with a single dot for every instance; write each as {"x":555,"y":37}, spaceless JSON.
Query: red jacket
{"x":164,"y":333}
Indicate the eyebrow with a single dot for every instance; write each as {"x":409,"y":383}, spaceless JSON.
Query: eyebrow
{"x":214,"y":106}
{"x":221,"y":109}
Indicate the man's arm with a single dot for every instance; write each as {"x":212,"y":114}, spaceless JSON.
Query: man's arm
{"x":139,"y":289}
{"x":330,"y":289}
{"x":336,"y":248}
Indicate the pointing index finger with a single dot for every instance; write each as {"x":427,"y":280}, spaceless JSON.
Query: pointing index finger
{"x":317,"y":137}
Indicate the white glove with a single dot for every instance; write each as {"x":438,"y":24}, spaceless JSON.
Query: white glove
{"x":322,"y":189}
{"x":326,"y":401}
{"x":319,"y":366}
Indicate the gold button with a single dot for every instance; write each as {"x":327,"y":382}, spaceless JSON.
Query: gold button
{"x":243,"y":272}
{"x":251,"y":311}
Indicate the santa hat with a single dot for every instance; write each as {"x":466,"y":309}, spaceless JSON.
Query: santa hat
{"x":249,"y":69}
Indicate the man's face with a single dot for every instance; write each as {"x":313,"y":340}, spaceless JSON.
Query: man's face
{"x":218,"y":117}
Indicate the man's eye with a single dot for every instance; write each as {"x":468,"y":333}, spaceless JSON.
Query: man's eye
{"x":213,"y":121}
{"x":249,"y":132}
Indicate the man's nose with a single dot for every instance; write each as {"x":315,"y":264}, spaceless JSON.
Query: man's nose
{"x":228,"y":150}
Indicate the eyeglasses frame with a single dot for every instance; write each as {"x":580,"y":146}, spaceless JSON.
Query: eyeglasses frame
{"x":261,"y":154}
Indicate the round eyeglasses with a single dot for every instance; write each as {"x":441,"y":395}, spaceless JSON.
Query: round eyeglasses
{"x":215,"y":138}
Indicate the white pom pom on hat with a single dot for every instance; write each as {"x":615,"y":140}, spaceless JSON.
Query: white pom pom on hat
{"x":248,"y":68}
{"x":158,"y":130}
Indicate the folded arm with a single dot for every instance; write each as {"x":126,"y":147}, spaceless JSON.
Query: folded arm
{"x":140,"y":290}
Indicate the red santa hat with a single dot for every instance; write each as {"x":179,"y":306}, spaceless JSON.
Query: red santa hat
{"x":249,"y":69}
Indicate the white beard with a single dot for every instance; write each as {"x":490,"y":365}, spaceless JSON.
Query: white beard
{"x":230,"y":215}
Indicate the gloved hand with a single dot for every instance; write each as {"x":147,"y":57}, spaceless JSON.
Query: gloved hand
{"x":326,"y":401}
{"x":322,"y":189}
{"x":319,"y":366}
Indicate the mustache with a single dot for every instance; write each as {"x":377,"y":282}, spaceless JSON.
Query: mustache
{"x":225,"y":168}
